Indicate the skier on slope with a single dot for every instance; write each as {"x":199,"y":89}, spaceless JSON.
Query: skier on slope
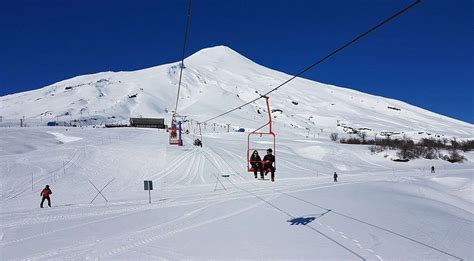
{"x":45,"y":194}
{"x":335,"y":176}
{"x":256,"y":163}
{"x":268,"y":161}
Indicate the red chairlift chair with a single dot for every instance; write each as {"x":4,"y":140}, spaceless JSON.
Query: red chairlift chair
{"x":175,"y":132}
{"x":261,"y":132}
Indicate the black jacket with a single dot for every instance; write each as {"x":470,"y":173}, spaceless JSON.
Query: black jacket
{"x":270,"y":158}
{"x":255,"y":160}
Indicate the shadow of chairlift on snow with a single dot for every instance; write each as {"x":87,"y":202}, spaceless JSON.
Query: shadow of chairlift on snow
{"x":301,"y":220}
{"x":371,"y":225}
{"x":306,"y":220}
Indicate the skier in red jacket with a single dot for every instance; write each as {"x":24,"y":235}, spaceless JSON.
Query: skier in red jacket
{"x":45,"y":194}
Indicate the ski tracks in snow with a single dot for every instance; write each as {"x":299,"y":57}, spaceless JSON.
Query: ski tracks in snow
{"x":128,"y":241}
{"x":175,"y":226}
{"x":195,"y":160}
{"x":194,"y":171}
{"x":45,"y":175}
{"x":340,"y":234}
{"x":351,"y":240}
{"x":172,"y":166}
{"x":141,"y":238}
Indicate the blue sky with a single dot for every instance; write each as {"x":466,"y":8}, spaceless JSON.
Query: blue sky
{"x":425,"y":57}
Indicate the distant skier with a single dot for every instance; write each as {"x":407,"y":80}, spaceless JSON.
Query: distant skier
{"x":45,"y":194}
{"x":335,"y":176}
{"x":256,"y":163}
{"x":432,"y":169}
{"x":268,"y":161}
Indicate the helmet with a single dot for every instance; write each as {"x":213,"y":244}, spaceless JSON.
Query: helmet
{"x":47,"y":186}
{"x":269,"y":150}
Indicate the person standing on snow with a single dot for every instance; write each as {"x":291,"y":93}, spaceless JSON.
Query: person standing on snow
{"x":432,"y":169}
{"x":335,"y":176}
{"x":256,"y":163}
{"x":45,"y":194}
{"x":268,"y":161}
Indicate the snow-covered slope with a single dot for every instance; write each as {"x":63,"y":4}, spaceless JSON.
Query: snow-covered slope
{"x":217,"y":79}
{"x":205,"y":206}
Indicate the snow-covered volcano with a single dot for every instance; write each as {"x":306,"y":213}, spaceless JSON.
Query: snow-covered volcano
{"x":218,"y":79}
{"x":205,"y":205}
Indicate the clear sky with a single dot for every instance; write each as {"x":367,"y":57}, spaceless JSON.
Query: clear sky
{"x":425,"y":57}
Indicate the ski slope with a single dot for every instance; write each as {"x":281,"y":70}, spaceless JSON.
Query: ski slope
{"x":205,"y":205}
{"x":379,"y":209}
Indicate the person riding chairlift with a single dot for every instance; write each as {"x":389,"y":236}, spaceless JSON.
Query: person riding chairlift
{"x":268,"y":161}
{"x":256,"y":163}
{"x":198,"y":142}
{"x":173,"y":133}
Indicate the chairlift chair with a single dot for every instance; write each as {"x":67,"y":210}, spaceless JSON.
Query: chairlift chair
{"x":198,"y":133}
{"x":175,"y":132}
{"x":261,"y":132}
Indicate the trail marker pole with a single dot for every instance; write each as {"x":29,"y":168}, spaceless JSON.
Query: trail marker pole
{"x":148,"y":185}
{"x":217,"y":180}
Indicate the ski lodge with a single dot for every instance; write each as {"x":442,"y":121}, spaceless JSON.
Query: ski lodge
{"x":148,"y":123}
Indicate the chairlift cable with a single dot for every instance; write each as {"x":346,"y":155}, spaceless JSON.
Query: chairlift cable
{"x":182,"y":57}
{"x":261,"y":198}
{"x":323,"y":59}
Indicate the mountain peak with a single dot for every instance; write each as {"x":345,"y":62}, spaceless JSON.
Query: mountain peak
{"x":217,"y":50}
{"x":220,"y":53}
{"x":217,"y":79}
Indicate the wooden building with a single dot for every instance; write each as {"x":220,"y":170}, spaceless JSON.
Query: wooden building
{"x":148,"y":123}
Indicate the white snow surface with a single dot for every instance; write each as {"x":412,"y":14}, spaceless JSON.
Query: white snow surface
{"x":205,"y":205}
{"x":379,"y":209}
{"x":63,"y":138}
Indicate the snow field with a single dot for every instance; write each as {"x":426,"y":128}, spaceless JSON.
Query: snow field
{"x":380,"y":210}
